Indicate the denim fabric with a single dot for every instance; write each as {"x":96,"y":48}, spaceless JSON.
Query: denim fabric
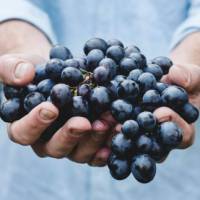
{"x":150,"y":25}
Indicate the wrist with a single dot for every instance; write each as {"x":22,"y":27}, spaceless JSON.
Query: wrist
{"x":21,"y":37}
{"x":187,"y":52}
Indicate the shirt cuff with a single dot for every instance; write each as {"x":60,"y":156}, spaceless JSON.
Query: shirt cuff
{"x":191,"y":25}
{"x":25,"y":11}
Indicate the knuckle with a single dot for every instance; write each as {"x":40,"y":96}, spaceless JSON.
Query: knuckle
{"x":79,"y":158}
{"x":54,"y":153}
{"x":98,"y":136}
{"x":19,"y":140}
{"x":23,"y":141}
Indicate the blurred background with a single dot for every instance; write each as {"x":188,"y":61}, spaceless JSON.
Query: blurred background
{"x":151,"y":25}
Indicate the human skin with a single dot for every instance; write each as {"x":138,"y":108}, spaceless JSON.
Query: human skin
{"x":22,"y":46}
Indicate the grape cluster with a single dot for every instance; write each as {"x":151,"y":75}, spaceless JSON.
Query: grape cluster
{"x":109,"y":77}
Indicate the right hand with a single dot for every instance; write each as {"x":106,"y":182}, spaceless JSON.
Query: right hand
{"x":78,"y":139}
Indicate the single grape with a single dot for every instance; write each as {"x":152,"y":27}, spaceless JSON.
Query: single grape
{"x":158,"y":152}
{"x":164,"y":62}
{"x":151,"y":100}
{"x":32,"y":100}
{"x":101,"y":75}
{"x":129,"y":90}
{"x":170,"y":135}
{"x":54,"y":68}
{"x":120,"y":78}
{"x":114,"y":42}
{"x":60,"y":52}
{"x":188,"y":112}
{"x":143,"y":168}
{"x":28,"y":89}
{"x":146,"y":81}
{"x":71,"y":63}
{"x":61,"y":96}
{"x":116,"y":53}
{"x":113,"y":89}
{"x":119,"y":168}
{"x":122,"y":146}
{"x":161,"y":86}
{"x":45,"y":86}
{"x":93,"y":59}
{"x":80,"y":106}
{"x":111,"y":65}
{"x":100,"y":99}
{"x":147,"y":121}
{"x":130,"y":129}
{"x":121,"y":110}
{"x":139,"y":58}
{"x":11,"y":110}
{"x":134,"y":74}
{"x":71,"y":76}
{"x":82,"y":62}
{"x":131,"y":49}
{"x":95,"y":43}
{"x":127,"y":65}
{"x":40,"y":73}
{"x":84,"y":91}
{"x":154,"y":69}
{"x":144,"y":144}
{"x":11,"y":92}
{"x":174,"y":96}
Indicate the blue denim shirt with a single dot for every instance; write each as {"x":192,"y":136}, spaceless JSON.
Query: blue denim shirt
{"x":153,"y":26}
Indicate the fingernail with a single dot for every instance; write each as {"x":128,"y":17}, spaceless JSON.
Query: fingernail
{"x":21,"y":70}
{"x":98,"y":125}
{"x":164,"y":119}
{"x":118,"y":128}
{"x":47,"y":114}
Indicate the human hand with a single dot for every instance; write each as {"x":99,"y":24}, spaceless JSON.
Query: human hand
{"x":78,"y":139}
{"x":186,"y":76}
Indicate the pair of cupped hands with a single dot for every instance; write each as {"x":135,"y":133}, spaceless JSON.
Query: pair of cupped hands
{"x":78,"y":139}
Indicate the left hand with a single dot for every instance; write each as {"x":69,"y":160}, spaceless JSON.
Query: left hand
{"x":188,"y":77}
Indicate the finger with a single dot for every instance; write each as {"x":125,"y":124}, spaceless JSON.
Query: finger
{"x":118,"y":128}
{"x":29,"y":128}
{"x":166,"y":114}
{"x":16,"y":71}
{"x":186,"y":76}
{"x":35,"y":59}
{"x":91,"y":144}
{"x":100,"y":158}
{"x":107,"y":116}
{"x":65,"y":139}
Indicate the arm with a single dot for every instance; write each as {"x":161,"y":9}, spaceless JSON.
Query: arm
{"x":188,"y":51}
{"x":23,"y":43}
{"x":21,"y":37}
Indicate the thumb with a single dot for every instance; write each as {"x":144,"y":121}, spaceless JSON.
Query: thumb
{"x":186,"y":76}
{"x":16,"y":70}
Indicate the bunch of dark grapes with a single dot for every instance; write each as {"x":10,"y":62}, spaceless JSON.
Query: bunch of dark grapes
{"x":109,"y":77}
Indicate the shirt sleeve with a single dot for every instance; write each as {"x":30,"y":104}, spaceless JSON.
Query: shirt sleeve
{"x":24,"y":10}
{"x":190,"y":25}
